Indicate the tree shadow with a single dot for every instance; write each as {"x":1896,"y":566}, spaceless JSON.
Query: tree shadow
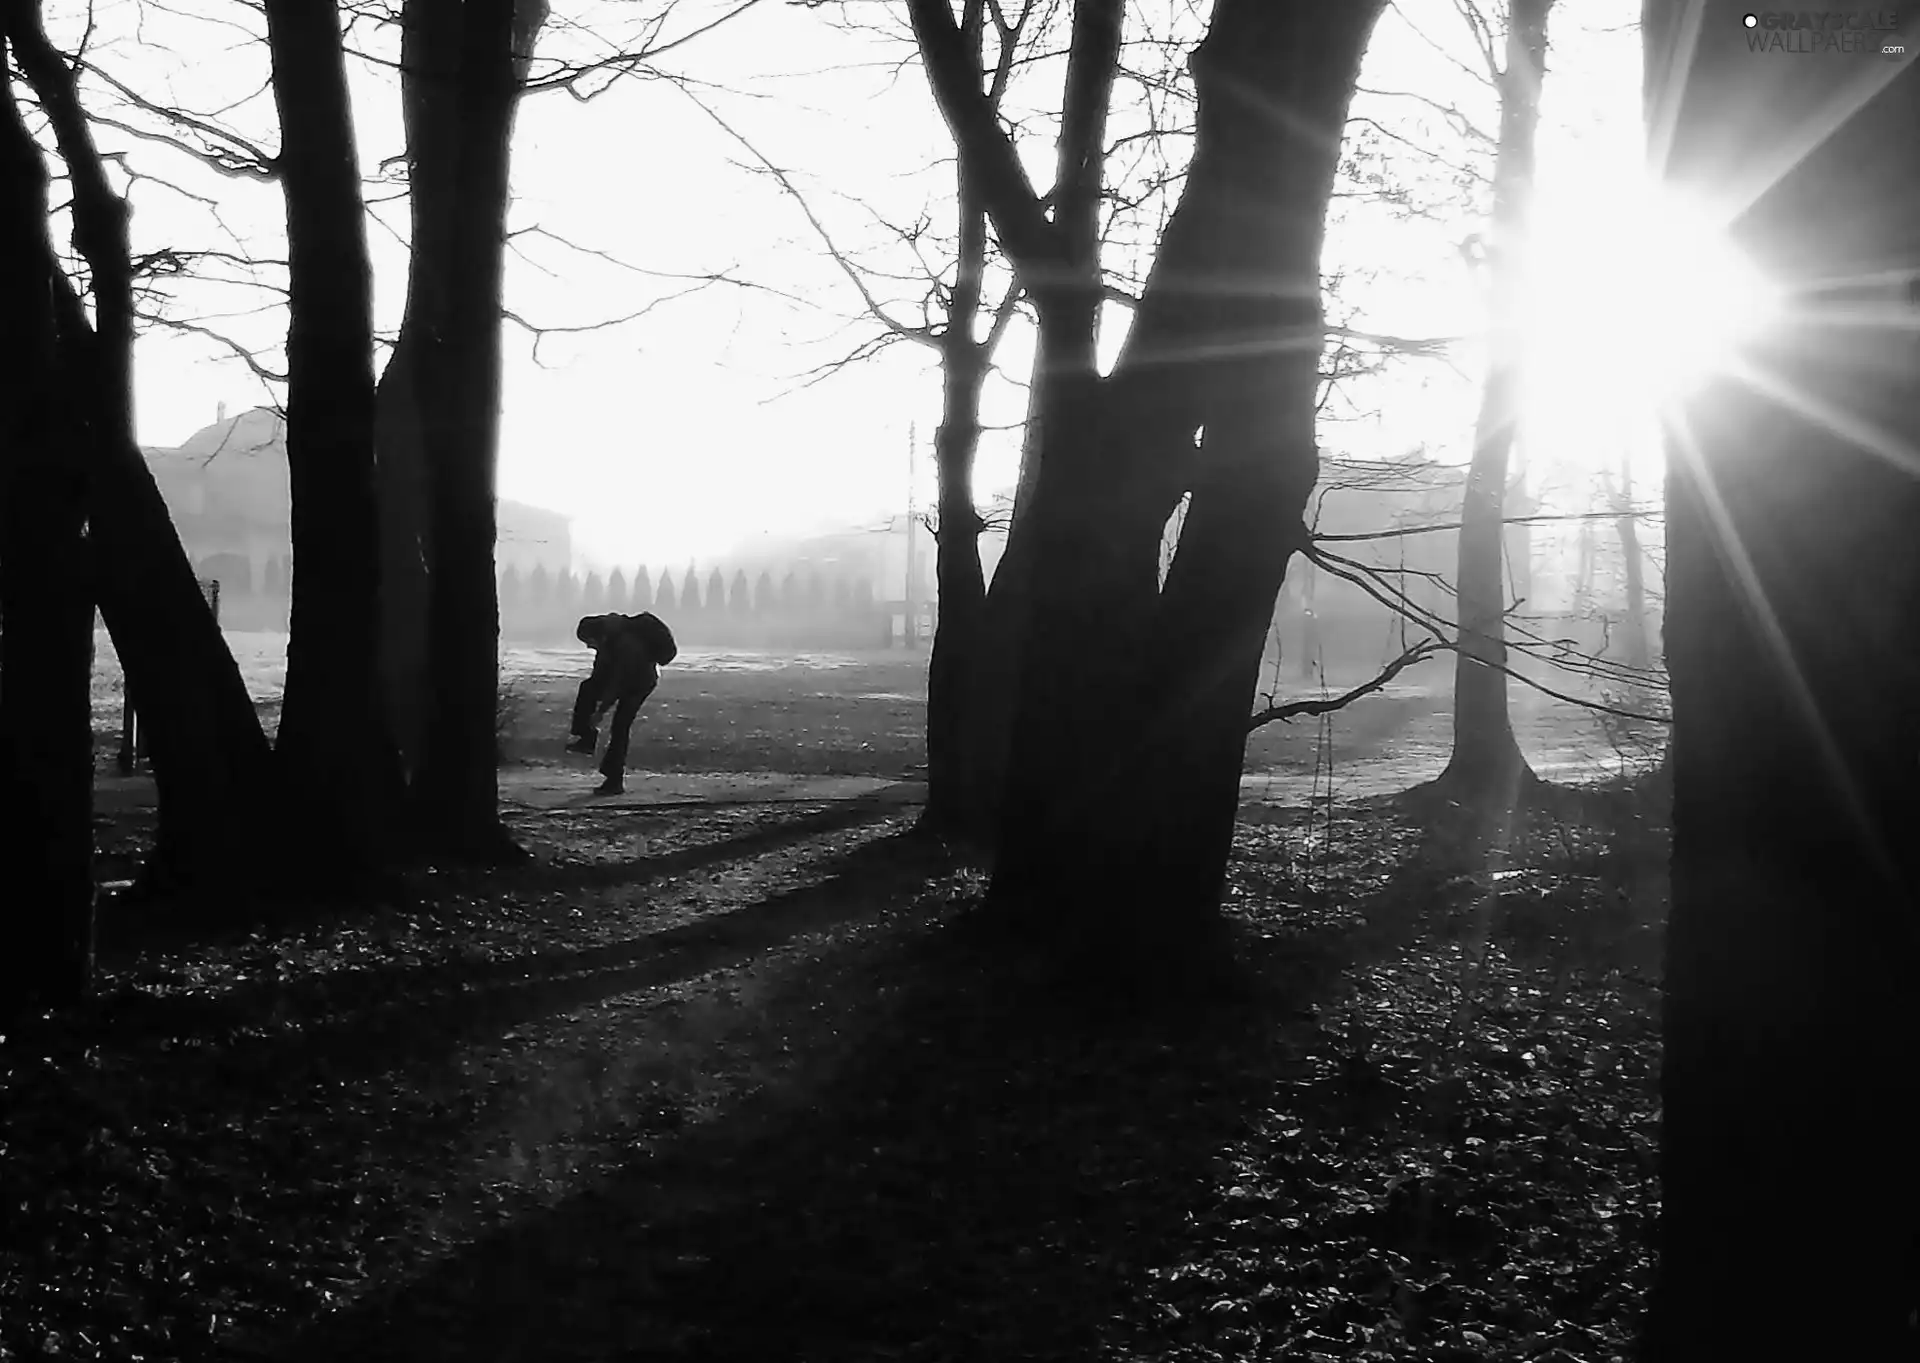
{"x":357,"y":1023}
{"x":973,"y":1164}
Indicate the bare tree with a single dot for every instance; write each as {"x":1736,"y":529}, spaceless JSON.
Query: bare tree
{"x":210,"y":756}
{"x":1792,"y":1047}
{"x":1487,"y":764}
{"x":1105,"y":653}
{"x":46,"y":609}
{"x":473,"y":55}
{"x":334,"y":743}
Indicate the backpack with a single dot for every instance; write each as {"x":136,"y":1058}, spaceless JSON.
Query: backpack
{"x":653,"y":632}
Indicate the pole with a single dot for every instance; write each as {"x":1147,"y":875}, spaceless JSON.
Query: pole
{"x":913,"y":612}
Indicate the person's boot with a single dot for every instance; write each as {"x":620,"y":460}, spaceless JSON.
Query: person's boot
{"x":583,"y":746}
{"x":613,"y":785}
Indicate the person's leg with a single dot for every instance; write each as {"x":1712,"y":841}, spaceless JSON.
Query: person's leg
{"x":614,"y":765}
{"x":585,"y":708}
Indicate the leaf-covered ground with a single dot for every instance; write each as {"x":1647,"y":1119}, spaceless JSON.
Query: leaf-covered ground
{"x":741,"y":1084}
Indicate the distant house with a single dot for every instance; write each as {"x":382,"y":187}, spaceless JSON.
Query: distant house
{"x":227,"y":489}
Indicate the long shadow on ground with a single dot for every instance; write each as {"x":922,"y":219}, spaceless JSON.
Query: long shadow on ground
{"x":348,"y":1002}
{"x":969,"y":1167}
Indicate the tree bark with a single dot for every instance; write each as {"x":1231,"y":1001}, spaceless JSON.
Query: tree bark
{"x":1487,"y":765}
{"x":210,"y":757}
{"x":1057,"y":260}
{"x":334,"y":742}
{"x":1166,"y":705}
{"x":46,"y":611}
{"x":959,"y":629}
{"x":1793,"y":591}
{"x":456,"y":793}
{"x":1639,"y":651}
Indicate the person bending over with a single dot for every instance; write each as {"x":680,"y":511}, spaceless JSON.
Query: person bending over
{"x":628,"y":651}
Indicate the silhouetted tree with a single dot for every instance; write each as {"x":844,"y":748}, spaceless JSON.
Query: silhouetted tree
{"x":334,"y":741}
{"x":690,"y":603}
{"x":210,"y":756}
{"x":1105,"y":650}
{"x":617,"y":599}
{"x":1054,"y":249}
{"x":593,"y":595}
{"x":1486,"y":764}
{"x":790,"y":593}
{"x":716,"y":594}
{"x":46,"y":616}
{"x":664,"y":600}
{"x":458,"y":260}
{"x":765,"y":602}
{"x":566,"y":602}
{"x":742,"y":594}
{"x":1792,"y":1045}
{"x":1638,"y":648}
{"x":642,"y":592}
{"x":437,"y":141}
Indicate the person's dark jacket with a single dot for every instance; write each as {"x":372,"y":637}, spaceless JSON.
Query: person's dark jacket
{"x":627,"y":653}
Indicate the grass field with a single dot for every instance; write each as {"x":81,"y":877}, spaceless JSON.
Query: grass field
{"x":864,"y":714}
{"x":743,"y":1080}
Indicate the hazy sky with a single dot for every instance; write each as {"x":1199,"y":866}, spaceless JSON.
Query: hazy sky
{"x":676,"y":434}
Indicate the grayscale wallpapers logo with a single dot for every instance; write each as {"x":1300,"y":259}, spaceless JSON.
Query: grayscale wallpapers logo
{"x":1876,"y":34}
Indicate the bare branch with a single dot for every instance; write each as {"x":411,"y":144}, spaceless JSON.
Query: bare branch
{"x":921,"y":335}
{"x":237,"y":158}
{"x":1298,"y":709}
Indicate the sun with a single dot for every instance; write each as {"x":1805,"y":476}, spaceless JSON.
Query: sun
{"x":1630,"y":302}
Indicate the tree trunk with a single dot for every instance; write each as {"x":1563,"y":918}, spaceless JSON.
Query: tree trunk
{"x":1487,"y":765}
{"x":1065,"y":348}
{"x":334,"y":741}
{"x":1793,"y":583}
{"x":456,"y":795}
{"x":429,"y":82}
{"x":1059,"y":267}
{"x":959,"y":628}
{"x":1639,"y":652}
{"x":1125,"y":685}
{"x":210,"y":757}
{"x":46,"y":612}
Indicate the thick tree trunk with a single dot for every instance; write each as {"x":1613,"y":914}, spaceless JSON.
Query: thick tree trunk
{"x":1487,"y":765}
{"x":334,"y":741}
{"x":1059,"y":268}
{"x":429,"y":83}
{"x":1065,"y":350}
{"x":1178,"y":702}
{"x":210,"y":757}
{"x":456,"y":793}
{"x":1256,"y":196}
{"x":46,"y":612}
{"x":1793,"y":583}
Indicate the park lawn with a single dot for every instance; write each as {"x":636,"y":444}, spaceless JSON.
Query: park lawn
{"x":741,"y":1082}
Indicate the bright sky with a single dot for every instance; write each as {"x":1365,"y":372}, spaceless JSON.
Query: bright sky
{"x":678,"y":434}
